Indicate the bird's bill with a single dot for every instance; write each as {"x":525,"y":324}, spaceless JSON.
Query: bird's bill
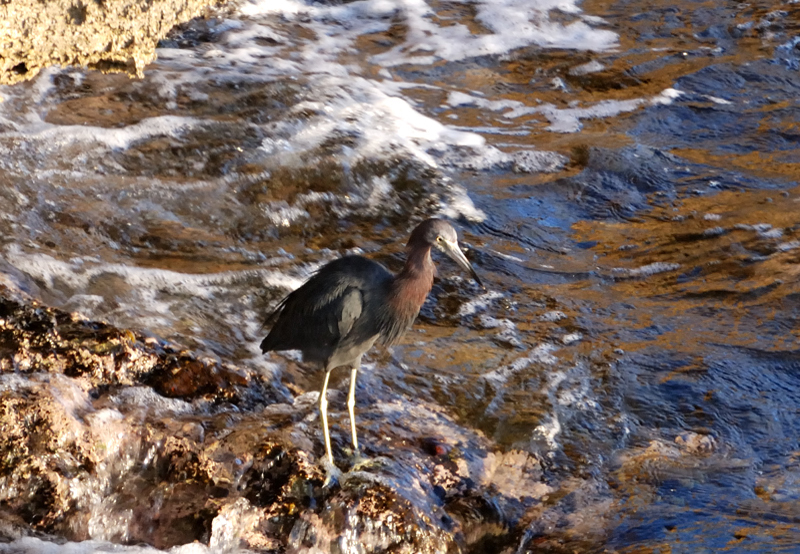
{"x":454,"y":252}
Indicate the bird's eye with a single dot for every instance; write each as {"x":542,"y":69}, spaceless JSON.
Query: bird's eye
{"x":439,"y":238}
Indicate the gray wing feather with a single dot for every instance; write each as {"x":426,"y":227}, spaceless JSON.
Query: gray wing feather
{"x":326,"y":310}
{"x":350,"y":304}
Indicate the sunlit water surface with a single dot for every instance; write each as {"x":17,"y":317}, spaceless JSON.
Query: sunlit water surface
{"x":624,"y":175}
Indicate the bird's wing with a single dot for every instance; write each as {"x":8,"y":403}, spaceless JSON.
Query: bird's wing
{"x":314,"y":318}
{"x":350,"y":305}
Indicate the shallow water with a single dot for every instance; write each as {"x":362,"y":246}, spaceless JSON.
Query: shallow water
{"x":624,"y":175}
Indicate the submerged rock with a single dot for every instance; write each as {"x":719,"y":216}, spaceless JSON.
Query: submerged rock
{"x":107,"y":435}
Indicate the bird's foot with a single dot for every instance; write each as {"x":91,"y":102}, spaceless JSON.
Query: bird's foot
{"x":363,"y":463}
{"x":358,"y":460}
{"x":333,"y":475}
{"x":367,"y":470}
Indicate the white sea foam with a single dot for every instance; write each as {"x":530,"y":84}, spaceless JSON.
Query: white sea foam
{"x":786,"y":246}
{"x":666,"y":96}
{"x":553,"y":315}
{"x":719,"y":100}
{"x":585,"y":69}
{"x":548,"y":431}
{"x":59,"y":136}
{"x":382,"y":124}
{"x":457,"y":204}
{"x":542,"y":354}
{"x":562,"y":120}
{"x":372,"y":113}
{"x":645,"y":270}
{"x":78,"y":273}
{"x":771,"y":234}
{"x":506,"y":329}
{"x":32,"y":545}
{"x":169,"y":303}
{"x":508,"y":24}
{"x":479,"y":303}
{"x":377,"y":125}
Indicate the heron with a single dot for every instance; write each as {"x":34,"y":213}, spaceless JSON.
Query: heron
{"x":352,"y":302}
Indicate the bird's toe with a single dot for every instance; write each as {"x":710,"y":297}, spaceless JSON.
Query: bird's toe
{"x":357,"y":460}
{"x":363,"y":463}
{"x":333,"y":475}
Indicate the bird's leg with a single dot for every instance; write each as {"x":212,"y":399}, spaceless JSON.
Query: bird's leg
{"x":323,"y":415}
{"x":351,"y":402}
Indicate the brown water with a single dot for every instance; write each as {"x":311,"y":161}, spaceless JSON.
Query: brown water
{"x":634,"y":212}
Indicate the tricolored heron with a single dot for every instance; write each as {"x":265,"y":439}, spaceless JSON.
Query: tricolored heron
{"x":339,"y":313}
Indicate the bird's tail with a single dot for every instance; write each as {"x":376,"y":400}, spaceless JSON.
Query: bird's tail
{"x":269,"y":341}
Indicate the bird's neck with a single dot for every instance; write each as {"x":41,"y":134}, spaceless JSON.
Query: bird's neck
{"x":412,"y":285}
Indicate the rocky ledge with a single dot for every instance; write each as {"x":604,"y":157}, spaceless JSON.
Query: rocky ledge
{"x":108,"y":434}
{"x":109,"y":36}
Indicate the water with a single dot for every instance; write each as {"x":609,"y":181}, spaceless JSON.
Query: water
{"x":624,"y":176}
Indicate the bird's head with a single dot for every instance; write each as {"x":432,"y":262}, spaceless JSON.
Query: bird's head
{"x":441,"y":235}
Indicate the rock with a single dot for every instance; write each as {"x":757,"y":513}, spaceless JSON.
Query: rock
{"x":107,"y":435}
{"x":39,"y":339}
{"x":116,"y":36}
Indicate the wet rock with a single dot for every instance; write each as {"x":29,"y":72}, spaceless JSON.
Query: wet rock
{"x":109,"y":36}
{"x":106,"y":435}
{"x":696,"y":443}
{"x":182,"y":376}
{"x":34,"y":338}
{"x":47,"y":454}
{"x":691,"y":456}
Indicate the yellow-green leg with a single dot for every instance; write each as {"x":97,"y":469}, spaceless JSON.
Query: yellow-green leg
{"x":323,"y":415}
{"x":351,"y":405}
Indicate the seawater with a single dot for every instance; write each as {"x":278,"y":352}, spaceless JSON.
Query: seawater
{"x":625,"y":180}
